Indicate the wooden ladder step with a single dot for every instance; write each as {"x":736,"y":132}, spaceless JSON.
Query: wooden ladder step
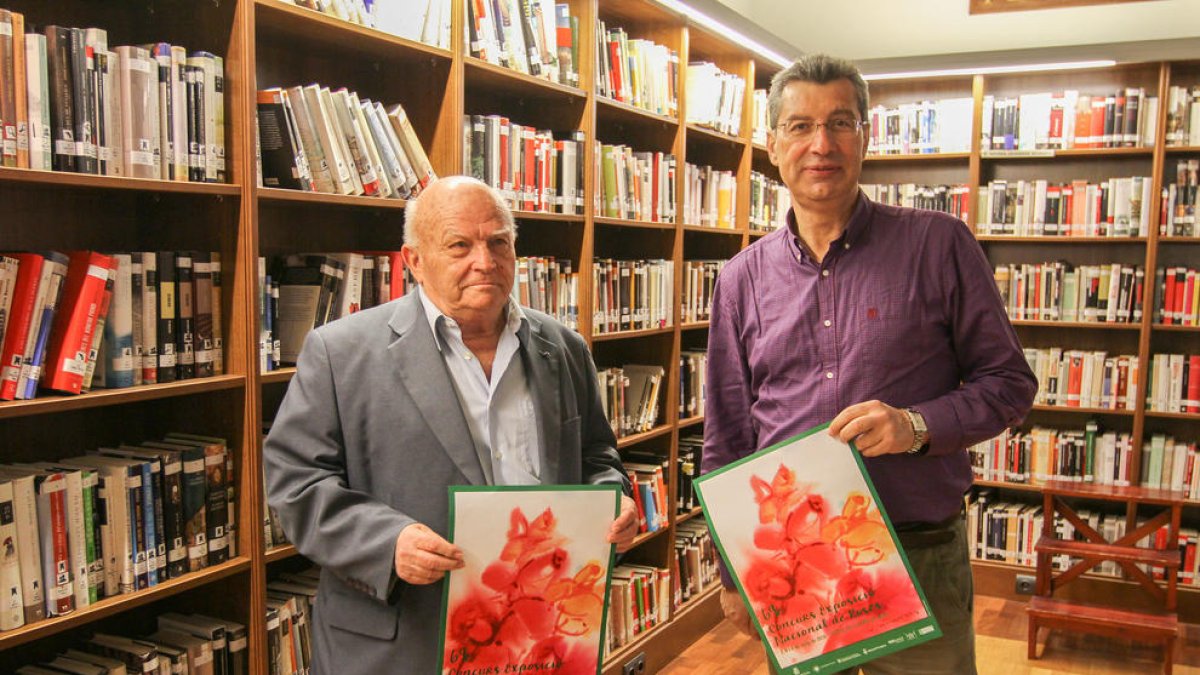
{"x":1086,"y":549}
{"x":1075,"y":614}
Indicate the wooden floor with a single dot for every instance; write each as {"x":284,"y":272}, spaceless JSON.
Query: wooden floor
{"x":1000,"y":650}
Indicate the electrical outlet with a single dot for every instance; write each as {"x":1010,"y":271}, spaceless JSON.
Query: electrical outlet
{"x":635,"y":665}
{"x":1025,"y":584}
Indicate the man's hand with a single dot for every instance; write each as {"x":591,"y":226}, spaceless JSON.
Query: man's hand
{"x":875,"y":427}
{"x":735,"y":611}
{"x":423,"y":557}
{"x":625,"y":527}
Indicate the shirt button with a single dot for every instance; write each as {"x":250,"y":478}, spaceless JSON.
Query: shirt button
{"x":467,"y":357}
{"x":829,"y":376}
{"x":845,"y":245}
{"x":828,"y":323}
{"x":799,"y":257}
{"x":824,"y":273}
{"x":496,"y":455}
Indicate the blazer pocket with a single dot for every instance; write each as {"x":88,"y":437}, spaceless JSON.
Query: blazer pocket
{"x":360,"y":616}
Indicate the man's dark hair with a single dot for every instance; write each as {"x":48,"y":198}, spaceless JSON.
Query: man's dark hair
{"x":818,"y":69}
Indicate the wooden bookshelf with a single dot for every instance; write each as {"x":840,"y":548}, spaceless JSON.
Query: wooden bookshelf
{"x":274,"y":43}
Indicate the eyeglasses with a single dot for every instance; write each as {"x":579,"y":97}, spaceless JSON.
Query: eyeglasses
{"x":804,"y":130}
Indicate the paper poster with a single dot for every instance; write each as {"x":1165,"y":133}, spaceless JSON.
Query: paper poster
{"x":531,"y":596}
{"x":814,"y":557}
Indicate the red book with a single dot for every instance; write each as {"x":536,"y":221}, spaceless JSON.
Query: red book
{"x":1074,"y":379}
{"x":1083,"y":122}
{"x":1168,"y":299}
{"x":56,"y":561}
{"x":614,"y":60}
{"x":1184,"y":316}
{"x":1181,"y":279}
{"x":29,"y":273}
{"x":397,"y":263}
{"x":530,"y":144}
{"x":506,"y":131}
{"x":75,"y":321}
{"x":1099,"y":118}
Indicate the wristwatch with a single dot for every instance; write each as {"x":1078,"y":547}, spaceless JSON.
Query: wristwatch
{"x":920,"y":432}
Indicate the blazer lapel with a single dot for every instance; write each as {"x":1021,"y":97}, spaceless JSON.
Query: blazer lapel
{"x":423,"y":373}
{"x":543,"y":360}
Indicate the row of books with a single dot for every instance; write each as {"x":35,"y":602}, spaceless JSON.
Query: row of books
{"x":1008,"y":532}
{"x":290,"y":601}
{"x":952,"y":199}
{"x":693,"y":375}
{"x":1076,"y":378}
{"x":73,"y":321}
{"x":924,"y":127}
{"x":300,"y":292}
{"x":1183,"y":115}
{"x":770,"y":201}
{"x":1171,"y":464}
{"x":635,"y":185}
{"x":69,"y":103}
{"x":113,"y":521}
{"x":632,"y":295}
{"x":715,"y":98}
{"x":192,"y":644}
{"x":1179,"y":200}
{"x":548,"y":285}
{"x":696,"y":557}
{"x":1174,"y":384}
{"x":1117,"y":207}
{"x":630,"y":396}
{"x":532,"y":170}
{"x":1177,"y":300}
{"x":637,"y":72}
{"x":709,"y":197}
{"x":649,"y":474}
{"x":1125,"y":118}
{"x":316,"y":140}
{"x":760,"y":124}
{"x":1090,"y":455}
{"x":535,"y":37}
{"x":688,"y":457}
{"x":1060,"y":291}
{"x":699,"y":281}
{"x":640,"y":598}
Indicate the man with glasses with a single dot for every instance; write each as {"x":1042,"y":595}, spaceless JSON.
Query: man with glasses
{"x":886,"y":321}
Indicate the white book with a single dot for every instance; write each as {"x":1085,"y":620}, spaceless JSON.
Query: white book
{"x":386,"y":189}
{"x":356,"y":143}
{"x":213,"y":102}
{"x":12,"y":605}
{"x":349,"y":298}
{"x":118,"y":327}
{"x":340,"y":139}
{"x":72,"y":482}
{"x":139,"y":112}
{"x":405,"y":162}
{"x":38,"y":102}
{"x":29,"y":553}
{"x":114,"y":113}
{"x":393,"y":169}
{"x":318,"y":162}
{"x":327,"y":137}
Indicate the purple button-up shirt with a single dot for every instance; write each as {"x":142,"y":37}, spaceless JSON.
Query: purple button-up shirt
{"x":903,"y":309}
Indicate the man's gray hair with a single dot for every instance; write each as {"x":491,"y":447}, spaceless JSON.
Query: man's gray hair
{"x":414,"y":228}
{"x":818,"y":69}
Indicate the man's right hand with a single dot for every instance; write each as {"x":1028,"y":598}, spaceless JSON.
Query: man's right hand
{"x":735,"y":611}
{"x":423,"y":557}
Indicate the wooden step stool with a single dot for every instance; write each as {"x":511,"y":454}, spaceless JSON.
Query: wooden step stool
{"x":1161,"y":626}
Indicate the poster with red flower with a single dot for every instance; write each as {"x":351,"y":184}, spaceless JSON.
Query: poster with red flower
{"x":814,"y":556}
{"x":531,"y":597}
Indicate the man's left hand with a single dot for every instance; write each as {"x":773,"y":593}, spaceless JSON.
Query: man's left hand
{"x":875,"y":427}
{"x":625,"y":527}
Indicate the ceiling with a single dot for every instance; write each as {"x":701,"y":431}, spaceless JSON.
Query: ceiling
{"x":890,"y":35}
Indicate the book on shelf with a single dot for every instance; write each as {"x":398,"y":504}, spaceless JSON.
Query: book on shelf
{"x":636,"y":71}
{"x":709,"y":197}
{"x":1177,"y":296}
{"x":715,"y":98}
{"x":632,"y":295}
{"x":1178,"y":216}
{"x":1183,"y":115}
{"x":1117,"y":207}
{"x":1174,"y":383}
{"x":952,"y":199}
{"x":426,"y":21}
{"x":924,"y":127}
{"x":770,"y":202}
{"x":1069,"y":119}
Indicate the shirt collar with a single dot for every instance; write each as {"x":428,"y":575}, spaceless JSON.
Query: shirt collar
{"x":514,"y":317}
{"x":856,"y":227}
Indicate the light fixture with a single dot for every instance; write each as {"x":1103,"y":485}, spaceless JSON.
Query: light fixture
{"x":991,"y":70}
{"x":715,"y":25}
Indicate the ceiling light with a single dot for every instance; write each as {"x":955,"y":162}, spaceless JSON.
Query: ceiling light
{"x":990,"y":70}
{"x":715,"y":25}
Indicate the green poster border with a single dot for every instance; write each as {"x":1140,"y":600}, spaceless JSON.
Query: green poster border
{"x":911,"y":633}
{"x":612,"y":554}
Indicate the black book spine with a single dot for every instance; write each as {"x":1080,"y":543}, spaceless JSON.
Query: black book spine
{"x":62,"y":107}
{"x":81,"y":77}
{"x":166,"y":316}
{"x":185,"y":325}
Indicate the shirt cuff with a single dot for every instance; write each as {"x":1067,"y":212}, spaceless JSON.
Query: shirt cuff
{"x":945,"y":431}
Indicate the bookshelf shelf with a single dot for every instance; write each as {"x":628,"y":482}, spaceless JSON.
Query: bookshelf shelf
{"x":690,"y":421}
{"x":1084,"y":411}
{"x":1194,"y":417}
{"x":548,"y":217}
{"x":634,"y":439}
{"x":693,"y":325}
{"x":109,"y":606}
{"x":627,"y":650}
{"x":1091,"y":153}
{"x":1182,"y":149}
{"x":278,"y":195}
{"x":759,"y":149}
{"x":47,"y":404}
{"x":1077,"y":324}
{"x":290,"y":22}
{"x":933,"y":157}
{"x":1178,"y":240}
{"x":684,"y":517}
{"x":58,"y":180}
{"x":704,"y":134}
{"x":1054,"y":240}
{"x":480,"y":73}
{"x":629,"y":334}
{"x":622,"y":222}
{"x":284,"y":374}
{"x":613,"y":111}
{"x":1175,"y":329}
{"x":704,"y":229}
{"x":277,"y":553}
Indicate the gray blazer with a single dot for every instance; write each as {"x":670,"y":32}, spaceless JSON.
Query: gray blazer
{"x":368,"y":438}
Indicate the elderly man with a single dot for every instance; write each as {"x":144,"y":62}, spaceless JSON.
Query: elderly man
{"x":454,"y":384}
{"x":884,"y":320}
